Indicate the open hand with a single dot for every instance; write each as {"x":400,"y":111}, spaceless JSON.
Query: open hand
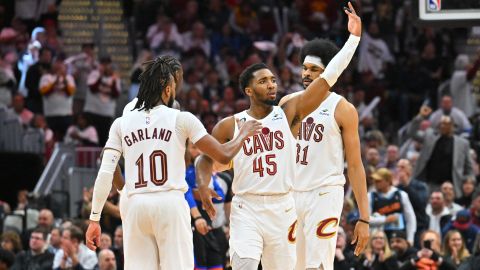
{"x":354,"y":22}
{"x":248,"y":128}
{"x":206,"y":195}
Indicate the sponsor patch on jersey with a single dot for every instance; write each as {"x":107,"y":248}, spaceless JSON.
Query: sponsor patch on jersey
{"x":277,"y":116}
{"x":324,"y":112}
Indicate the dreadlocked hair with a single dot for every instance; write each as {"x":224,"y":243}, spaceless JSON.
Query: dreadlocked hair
{"x":154,"y":79}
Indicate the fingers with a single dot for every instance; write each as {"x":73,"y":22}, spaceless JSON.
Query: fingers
{"x":90,"y":244}
{"x":215,"y":195}
{"x":362,"y":243}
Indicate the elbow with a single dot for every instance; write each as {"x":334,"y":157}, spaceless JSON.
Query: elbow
{"x":224,"y":159}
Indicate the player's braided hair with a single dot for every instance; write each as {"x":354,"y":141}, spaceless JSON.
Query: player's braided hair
{"x":153,"y":80}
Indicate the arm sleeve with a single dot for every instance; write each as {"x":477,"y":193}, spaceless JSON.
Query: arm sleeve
{"x":410,"y":219}
{"x":341,"y":60}
{"x":114,"y":136}
{"x":189,"y":127}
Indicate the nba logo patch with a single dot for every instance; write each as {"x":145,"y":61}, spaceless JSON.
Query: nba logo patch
{"x":434,"y":5}
{"x":147,"y":120}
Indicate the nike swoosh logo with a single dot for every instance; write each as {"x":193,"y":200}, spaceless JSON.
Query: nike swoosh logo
{"x":322,"y":193}
{"x":288,"y":210}
{"x":94,"y":213}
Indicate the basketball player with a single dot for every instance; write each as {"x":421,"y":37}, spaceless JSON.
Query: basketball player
{"x":332,"y":130}
{"x":262,"y":219}
{"x":152,"y":139}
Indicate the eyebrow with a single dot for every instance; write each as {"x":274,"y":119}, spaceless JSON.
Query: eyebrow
{"x":266,"y":77}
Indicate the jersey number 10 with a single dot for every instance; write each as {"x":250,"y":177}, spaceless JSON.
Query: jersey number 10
{"x":153,"y":169}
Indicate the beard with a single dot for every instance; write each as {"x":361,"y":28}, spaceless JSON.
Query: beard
{"x":306,"y":82}
{"x":170,"y":102}
{"x":270,"y":102}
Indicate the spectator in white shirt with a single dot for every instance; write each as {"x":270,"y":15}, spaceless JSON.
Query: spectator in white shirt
{"x":82,"y":133}
{"x":73,"y":252}
{"x":449,"y":196}
{"x":438,"y":213}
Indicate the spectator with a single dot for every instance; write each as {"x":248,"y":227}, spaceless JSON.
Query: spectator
{"x":6,"y":259}
{"x":475,"y":210}
{"x":461,"y":88}
{"x":372,"y":158}
{"x":106,"y":260}
{"x":73,"y":252}
{"x":473,"y":261}
{"x":18,"y":106}
{"x":36,"y":257}
{"x":468,"y":190}
{"x":437,"y":212}
{"x":7,"y":78}
{"x":241,"y":16}
{"x":186,"y":16}
{"x":10,"y":241}
{"x":40,"y":123}
{"x":80,"y":66}
{"x":463,"y":224}
{"x":391,"y":158}
{"x":449,"y":196}
{"x":45,"y":222}
{"x":105,"y":241}
{"x":417,"y":193}
{"x":444,"y":156}
{"x":403,"y":250}
{"x":196,"y":39}
{"x":57,"y":90}
{"x":428,"y":257}
{"x":32,"y":81}
{"x":104,"y":89}
{"x":165,"y":38}
{"x":377,"y":255}
{"x":82,"y":133}
{"x":391,"y":208}
{"x":374,"y":53}
{"x":460,"y":120}
{"x":55,"y":241}
{"x":118,"y":247}
{"x":453,"y":248}
{"x":137,"y":69}
{"x":344,"y":259}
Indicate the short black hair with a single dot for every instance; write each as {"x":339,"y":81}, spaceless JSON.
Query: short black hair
{"x":75,"y":233}
{"x":153,"y":81}
{"x":323,"y":48}
{"x":42,"y":231}
{"x":247,"y":74}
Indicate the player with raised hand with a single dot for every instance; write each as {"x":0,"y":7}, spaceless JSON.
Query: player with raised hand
{"x":262,"y":220}
{"x":152,"y":139}
{"x":332,"y":130}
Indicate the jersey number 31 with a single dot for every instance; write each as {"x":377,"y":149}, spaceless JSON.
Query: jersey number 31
{"x":157,"y":180}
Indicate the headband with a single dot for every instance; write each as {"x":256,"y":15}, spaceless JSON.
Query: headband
{"x":314,"y":60}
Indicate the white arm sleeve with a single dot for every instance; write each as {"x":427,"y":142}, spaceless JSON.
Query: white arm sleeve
{"x":189,"y":127}
{"x":410,"y":218}
{"x":341,"y":60}
{"x":103,"y":183}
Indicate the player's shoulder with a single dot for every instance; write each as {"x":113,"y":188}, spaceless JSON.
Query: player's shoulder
{"x":288,"y":97}
{"x":226,"y":122}
{"x":224,"y":129}
{"x":345,"y":106}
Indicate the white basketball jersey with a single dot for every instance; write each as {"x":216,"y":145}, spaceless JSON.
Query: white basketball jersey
{"x":320,"y":153}
{"x":266,"y":163}
{"x":154,"y":154}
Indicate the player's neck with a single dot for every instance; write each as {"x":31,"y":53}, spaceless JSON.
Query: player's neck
{"x":259,"y":111}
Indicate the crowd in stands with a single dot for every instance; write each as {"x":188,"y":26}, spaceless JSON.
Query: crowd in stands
{"x":419,"y":142}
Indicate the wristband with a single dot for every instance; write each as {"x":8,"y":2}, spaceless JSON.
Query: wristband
{"x":363,"y":221}
{"x":197,"y":218}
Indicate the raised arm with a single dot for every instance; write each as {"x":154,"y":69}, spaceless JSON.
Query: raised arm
{"x":223,"y":132}
{"x":347,"y":117}
{"x":301,"y":105}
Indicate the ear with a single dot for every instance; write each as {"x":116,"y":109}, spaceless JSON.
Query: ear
{"x":249,"y":91}
{"x":168,"y":91}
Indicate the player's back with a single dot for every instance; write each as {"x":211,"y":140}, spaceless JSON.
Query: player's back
{"x":320,"y":153}
{"x":266,"y":163}
{"x":153,"y":151}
